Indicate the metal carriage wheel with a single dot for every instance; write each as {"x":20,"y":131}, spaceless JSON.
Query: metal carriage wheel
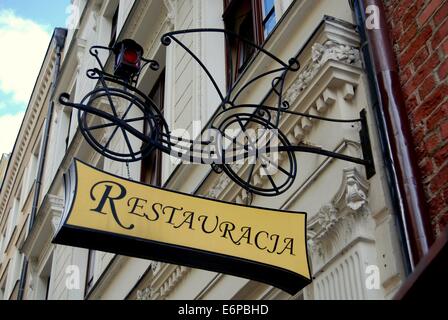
{"x":255,"y":154}
{"x":131,"y":119}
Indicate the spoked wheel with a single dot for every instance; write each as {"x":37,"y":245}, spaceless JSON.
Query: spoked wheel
{"x":134,"y":121}
{"x":251,"y":146}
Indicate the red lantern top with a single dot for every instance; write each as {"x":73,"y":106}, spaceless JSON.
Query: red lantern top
{"x":128,"y":54}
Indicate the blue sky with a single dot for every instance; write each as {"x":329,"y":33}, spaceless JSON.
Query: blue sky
{"x":26,"y":27}
{"x":50,"y":13}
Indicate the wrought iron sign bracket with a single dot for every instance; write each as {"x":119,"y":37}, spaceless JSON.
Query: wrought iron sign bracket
{"x":132,"y":115}
{"x":367,"y":159}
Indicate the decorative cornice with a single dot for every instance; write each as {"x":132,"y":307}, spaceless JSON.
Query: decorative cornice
{"x":179,"y":273}
{"x":321,"y":53}
{"x":155,"y":267}
{"x":170,"y":275}
{"x":47,"y":218}
{"x":31,"y":117}
{"x":144,"y":294}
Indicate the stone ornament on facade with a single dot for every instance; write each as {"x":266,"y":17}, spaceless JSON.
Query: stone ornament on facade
{"x":335,"y":222}
{"x":321,"y":53}
{"x":355,"y":197}
{"x":156,"y":266}
{"x":327,"y":217}
{"x":171,"y":275}
{"x":164,"y":279}
{"x":56,"y":206}
{"x":144,"y":294}
{"x":353,"y":192}
{"x":223,"y":182}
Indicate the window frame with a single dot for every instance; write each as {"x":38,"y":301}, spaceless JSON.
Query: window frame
{"x":267,"y":17}
{"x":155,"y":158}
{"x":232,"y":11}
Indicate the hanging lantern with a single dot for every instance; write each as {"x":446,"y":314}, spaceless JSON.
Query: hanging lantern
{"x":128,"y":57}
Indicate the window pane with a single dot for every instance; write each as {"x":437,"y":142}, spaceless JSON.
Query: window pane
{"x":269,"y":25}
{"x":267,"y":6}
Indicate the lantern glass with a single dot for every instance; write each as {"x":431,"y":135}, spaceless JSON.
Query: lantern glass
{"x":128,"y":54}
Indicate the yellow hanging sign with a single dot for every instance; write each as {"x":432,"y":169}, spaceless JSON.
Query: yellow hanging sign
{"x":108,"y":213}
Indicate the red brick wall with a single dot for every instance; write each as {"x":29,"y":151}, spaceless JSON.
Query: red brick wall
{"x":419,"y":30}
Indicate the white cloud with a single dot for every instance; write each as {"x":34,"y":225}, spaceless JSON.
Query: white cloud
{"x":23,"y":47}
{"x":9,"y":128}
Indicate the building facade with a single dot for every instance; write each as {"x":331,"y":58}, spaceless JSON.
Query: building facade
{"x":3,"y":164}
{"x":357,"y":238}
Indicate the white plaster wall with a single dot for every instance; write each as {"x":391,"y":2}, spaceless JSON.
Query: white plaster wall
{"x":124,"y":279}
{"x":190,"y":96}
{"x":64,"y":260}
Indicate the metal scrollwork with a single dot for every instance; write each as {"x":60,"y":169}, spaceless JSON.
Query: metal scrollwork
{"x":245,"y":142}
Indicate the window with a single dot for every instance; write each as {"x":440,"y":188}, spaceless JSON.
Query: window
{"x":14,"y":271}
{"x":18,"y":264}
{"x":31,"y":170}
{"x":114,"y":28}
{"x":2,"y":238}
{"x":42,"y":281}
{"x":269,"y":20}
{"x":12,"y":221}
{"x":152,"y":165}
{"x":253,"y":20}
{"x":90,"y":271}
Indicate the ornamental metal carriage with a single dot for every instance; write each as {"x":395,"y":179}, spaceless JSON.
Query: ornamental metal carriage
{"x":243,"y":140}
